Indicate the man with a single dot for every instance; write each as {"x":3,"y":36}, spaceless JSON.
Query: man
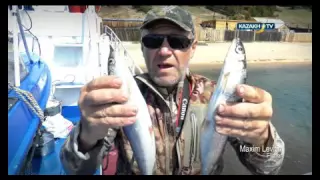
{"x":168,"y":43}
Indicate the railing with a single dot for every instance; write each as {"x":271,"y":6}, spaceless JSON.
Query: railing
{"x":117,"y":45}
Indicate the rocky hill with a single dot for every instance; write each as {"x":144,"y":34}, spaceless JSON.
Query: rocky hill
{"x":300,"y":15}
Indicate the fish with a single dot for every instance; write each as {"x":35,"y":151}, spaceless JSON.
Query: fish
{"x":233,"y":72}
{"x":140,"y":134}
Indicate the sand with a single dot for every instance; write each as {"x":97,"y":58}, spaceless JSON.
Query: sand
{"x":257,"y":52}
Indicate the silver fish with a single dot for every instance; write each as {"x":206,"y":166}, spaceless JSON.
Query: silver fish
{"x":140,"y":134}
{"x":234,"y":71}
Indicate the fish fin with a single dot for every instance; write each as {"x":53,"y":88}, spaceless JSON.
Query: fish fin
{"x":225,"y":80}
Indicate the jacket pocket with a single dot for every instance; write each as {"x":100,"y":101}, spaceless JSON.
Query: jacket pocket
{"x":188,"y":146}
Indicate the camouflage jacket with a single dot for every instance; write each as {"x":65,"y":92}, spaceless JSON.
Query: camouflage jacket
{"x":172,"y":152}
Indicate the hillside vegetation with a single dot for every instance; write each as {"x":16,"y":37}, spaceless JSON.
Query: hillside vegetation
{"x":301,"y":15}
{"x":297,"y":16}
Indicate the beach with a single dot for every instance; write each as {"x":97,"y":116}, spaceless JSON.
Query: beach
{"x":256,"y":52}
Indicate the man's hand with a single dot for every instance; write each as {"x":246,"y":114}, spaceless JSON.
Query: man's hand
{"x":247,"y":120}
{"x":102,"y":106}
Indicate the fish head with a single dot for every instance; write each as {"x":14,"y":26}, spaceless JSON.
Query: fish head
{"x":111,"y":62}
{"x":239,"y":47}
{"x":236,"y":56}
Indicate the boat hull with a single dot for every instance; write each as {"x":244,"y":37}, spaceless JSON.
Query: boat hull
{"x":22,"y":122}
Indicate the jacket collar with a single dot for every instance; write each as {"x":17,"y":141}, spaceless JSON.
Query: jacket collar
{"x":162,"y":91}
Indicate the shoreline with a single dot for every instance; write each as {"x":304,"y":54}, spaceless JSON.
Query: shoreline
{"x":252,"y":62}
{"x":256,"y":52}
{"x":258,"y":61}
{"x":203,"y":63}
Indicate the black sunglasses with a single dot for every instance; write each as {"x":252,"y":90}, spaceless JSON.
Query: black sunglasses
{"x":154,"y":41}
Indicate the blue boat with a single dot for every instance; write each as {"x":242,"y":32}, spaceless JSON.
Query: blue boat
{"x":33,"y":81}
{"x":45,"y":65}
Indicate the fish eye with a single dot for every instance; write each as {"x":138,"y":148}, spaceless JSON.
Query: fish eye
{"x":239,"y":48}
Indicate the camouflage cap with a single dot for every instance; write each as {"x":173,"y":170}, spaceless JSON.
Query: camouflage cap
{"x":175,"y":14}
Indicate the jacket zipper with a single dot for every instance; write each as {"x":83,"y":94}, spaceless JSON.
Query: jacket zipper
{"x":166,"y":120}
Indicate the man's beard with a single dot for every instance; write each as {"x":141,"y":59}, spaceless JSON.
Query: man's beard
{"x":171,"y":82}
{"x":165,"y":83}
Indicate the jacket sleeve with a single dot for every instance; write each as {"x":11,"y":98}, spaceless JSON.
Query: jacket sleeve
{"x":75,"y":162}
{"x":266,"y":162}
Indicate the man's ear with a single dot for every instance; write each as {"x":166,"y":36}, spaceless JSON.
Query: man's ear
{"x":143,"y":33}
{"x":193,"y":48}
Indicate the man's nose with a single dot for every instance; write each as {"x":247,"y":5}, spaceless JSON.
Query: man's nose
{"x":165,"y":49}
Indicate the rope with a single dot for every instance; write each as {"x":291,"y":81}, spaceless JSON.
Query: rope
{"x":28,"y":98}
{"x":31,"y":102}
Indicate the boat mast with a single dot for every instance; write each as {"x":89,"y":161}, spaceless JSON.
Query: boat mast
{"x":15,"y":46}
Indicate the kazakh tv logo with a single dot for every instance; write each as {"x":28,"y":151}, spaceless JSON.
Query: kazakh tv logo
{"x":258,"y":27}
